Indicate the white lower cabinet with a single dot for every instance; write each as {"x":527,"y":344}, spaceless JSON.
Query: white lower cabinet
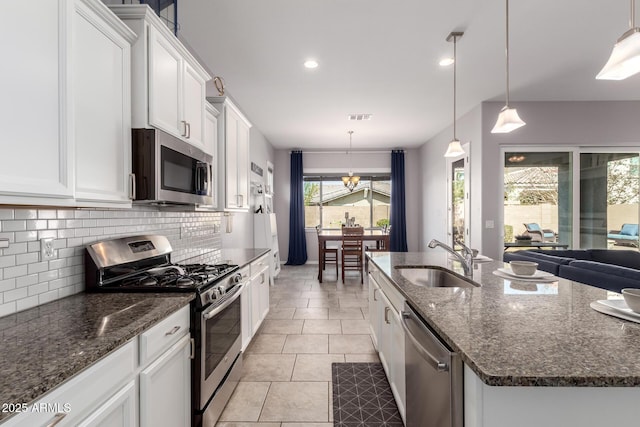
{"x":385,"y":318}
{"x":145,"y":382}
{"x":165,"y":398}
{"x":254,"y":298}
{"x":119,"y":411}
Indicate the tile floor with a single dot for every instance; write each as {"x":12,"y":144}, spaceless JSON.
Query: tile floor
{"x":286,"y":378}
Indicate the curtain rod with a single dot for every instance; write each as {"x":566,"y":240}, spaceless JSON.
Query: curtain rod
{"x":342,"y":152}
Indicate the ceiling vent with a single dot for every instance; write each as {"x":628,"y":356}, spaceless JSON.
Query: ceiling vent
{"x":359,"y":117}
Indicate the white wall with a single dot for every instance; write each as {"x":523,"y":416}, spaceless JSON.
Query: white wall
{"x":433,"y":180}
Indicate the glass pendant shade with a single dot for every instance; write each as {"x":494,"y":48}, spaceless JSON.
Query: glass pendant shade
{"x":454,"y":149}
{"x":508,"y":120}
{"x":625,"y":58}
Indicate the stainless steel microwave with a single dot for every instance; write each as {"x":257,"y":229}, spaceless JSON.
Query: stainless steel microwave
{"x":169,"y":170}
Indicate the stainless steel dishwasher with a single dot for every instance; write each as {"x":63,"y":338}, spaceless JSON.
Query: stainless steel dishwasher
{"x":433,"y":376}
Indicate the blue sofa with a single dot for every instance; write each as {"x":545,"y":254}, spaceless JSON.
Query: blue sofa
{"x":627,"y":235}
{"x":613,"y":270}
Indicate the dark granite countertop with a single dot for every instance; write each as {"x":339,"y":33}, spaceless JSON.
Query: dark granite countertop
{"x":522,"y":334}
{"x":242,"y":257}
{"x":46,"y":345}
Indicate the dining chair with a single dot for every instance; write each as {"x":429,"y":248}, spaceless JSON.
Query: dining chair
{"x":352,"y":254}
{"x":380,"y":246}
{"x":329,"y":254}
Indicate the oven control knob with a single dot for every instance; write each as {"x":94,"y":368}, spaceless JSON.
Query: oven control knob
{"x":216,"y":293}
{"x":222,"y":289}
{"x":237,"y":279}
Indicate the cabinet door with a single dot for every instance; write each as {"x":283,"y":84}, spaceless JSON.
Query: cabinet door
{"x":243,"y":164}
{"x":263,"y":283}
{"x":232,"y":195}
{"x":102,"y":109}
{"x":374,"y":311}
{"x":165,"y":92}
{"x":118,"y":411}
{"x":245,"y":315}
{"x":193,"y":106}
{"x":37,"y":159}
{"x":397,"y":377}
{"x":385,"y":343}
{"x":165,"y":392}
{"x":211,"y":147}
{"x":256,"y":318}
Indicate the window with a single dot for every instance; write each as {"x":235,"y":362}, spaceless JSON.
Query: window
{"x":327,"y":201}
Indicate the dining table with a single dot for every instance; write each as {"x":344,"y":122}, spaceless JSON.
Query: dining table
{"x":380,"y":238}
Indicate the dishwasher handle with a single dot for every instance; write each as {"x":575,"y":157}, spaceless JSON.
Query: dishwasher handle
{"x":435,"y":363}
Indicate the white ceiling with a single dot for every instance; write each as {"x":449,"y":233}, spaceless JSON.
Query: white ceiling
{"x":381,"y":57}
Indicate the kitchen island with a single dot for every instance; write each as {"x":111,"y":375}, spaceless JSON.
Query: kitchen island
{"x":528,"y":345}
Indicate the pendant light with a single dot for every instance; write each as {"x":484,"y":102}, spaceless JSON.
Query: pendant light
{"x":454,"y":149}
{"x":625,"y":57}
{"x":350,"y":181}
{"x":508,"y":118}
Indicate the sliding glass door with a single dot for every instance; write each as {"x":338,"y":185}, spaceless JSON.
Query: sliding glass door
{"x":583,"y":198}
{"x":609,"y":209}
{"x":538,"y":192}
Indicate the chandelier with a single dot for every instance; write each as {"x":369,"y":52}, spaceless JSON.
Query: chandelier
{"x":350,"y":181}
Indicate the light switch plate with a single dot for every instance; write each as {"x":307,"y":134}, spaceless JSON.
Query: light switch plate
{"x":46,"y":249}
{"x":489,"y":223}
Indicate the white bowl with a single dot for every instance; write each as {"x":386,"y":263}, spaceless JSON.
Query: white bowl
{"x":632,"y":298}
{"x":523,"y":268}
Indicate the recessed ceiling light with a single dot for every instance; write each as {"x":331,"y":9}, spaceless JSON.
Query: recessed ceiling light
{"x":445,"y":62}
{"x":311,"y":63}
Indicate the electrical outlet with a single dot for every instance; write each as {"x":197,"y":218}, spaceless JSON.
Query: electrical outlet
{"x":46,"y":249}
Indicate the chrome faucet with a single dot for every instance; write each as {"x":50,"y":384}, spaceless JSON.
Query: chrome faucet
{"x":466,"y":260}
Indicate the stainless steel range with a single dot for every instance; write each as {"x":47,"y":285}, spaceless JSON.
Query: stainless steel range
{"x":143,"y":264}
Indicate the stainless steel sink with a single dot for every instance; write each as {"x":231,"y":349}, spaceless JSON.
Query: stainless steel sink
{"x":434,"y":277}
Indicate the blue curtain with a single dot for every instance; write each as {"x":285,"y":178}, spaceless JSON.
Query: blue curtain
{"x":398,"y":220}
{"x":297,"y":239}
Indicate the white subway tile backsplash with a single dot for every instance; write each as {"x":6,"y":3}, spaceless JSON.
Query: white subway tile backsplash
{"x":15,"y":294}
{"x":27,"y":258}
{"x":25,"y":303}
{"x":11,"y":272}
{"x":37,"y":224}
{"x":7,"y":285}
{"x":16,"y":225}
{"x":26,"y":214}
{"x":15,"y":248}
{"x":26,"y":236}
{"x":25,"y":281}
{"x":7,"y":308}
{"x":28,"y":280}
{"x":45,"y":213}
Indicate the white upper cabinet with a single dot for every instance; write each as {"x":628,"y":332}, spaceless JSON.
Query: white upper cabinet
{"x":211,"y":145}
{"x":65,"y":104}
{"x":168,"y":82}
{"x":233,"y":159}
{"x":102,"y":105}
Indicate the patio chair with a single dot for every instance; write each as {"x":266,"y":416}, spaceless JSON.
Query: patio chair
{"x":539,"y":234}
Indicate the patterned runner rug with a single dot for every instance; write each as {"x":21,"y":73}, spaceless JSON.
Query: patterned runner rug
{"x":362,"y":396}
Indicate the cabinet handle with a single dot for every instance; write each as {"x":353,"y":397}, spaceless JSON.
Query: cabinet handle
{"x":184,"y":123}
{"x":374,"y":295}
{"x":240,"y":200}
{"x":386,"y":315}
{"x":132,"y":186}
{"x":188,"y":130}
{"x":193,"y":349}
{"x":262,"y":278}
{"x":56,"y":419}
{"x":172,"y":331}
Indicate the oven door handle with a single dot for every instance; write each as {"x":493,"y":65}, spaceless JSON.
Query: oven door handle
{"x":209,"y":313}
